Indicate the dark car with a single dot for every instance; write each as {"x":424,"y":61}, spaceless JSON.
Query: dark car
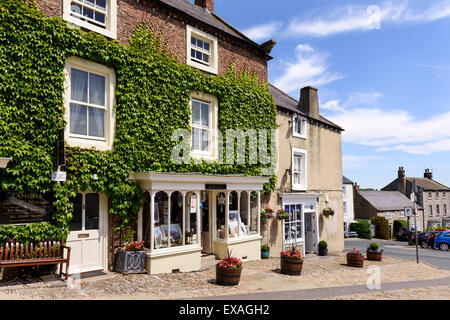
{"x":402,"y":233}
{"x":425,"y":239}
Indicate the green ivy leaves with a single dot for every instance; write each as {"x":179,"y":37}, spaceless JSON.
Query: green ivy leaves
{"x":152,"y":100}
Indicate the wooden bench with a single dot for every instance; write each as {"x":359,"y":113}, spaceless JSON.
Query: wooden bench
{"x":16,"y":254}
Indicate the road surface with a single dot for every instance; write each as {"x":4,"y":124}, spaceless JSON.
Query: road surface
{"x":400,"y":249}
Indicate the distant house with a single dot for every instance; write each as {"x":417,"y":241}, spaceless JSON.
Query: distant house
{"x":388,"y":204}
{"x":432,"y":196}
{"x":347,"y":195}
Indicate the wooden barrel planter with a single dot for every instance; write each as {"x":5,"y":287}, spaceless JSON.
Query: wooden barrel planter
{"x":227,"y":276}
{"x":374,"y":255}
{"x":291,"y":266}
{"x":355,"y":260}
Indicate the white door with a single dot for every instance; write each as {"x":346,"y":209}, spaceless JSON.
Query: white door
{"x":87,"y":233}
{"x":309,"y":232}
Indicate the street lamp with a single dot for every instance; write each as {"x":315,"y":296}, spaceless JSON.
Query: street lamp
{"x":4,"y":162}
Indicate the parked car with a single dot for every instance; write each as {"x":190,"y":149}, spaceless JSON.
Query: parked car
{"x":442,"y":241}
{"x":402,"y":234}
{"x":350,"y":234}
{"x":426,"y":239}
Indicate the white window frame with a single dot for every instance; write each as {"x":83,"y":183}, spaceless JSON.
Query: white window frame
{"x":401,"y":213}
{"x":213,"y":65}
{"x":290,"y":241}
{"x":388,"y":215}
{"x":297,"y":119}
{"x":303,"y":173}
{"x":212,"y":153}
{"x":87,"y":142}
{"x":438,"y":213}
{"x":110,"y":29}
{"x":444,"y":206}
{"x":430,"y":210}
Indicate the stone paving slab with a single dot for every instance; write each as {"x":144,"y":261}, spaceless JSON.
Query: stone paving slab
{"x":257,"y":276}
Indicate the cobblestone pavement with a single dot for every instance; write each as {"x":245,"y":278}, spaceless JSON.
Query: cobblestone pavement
{"x":257,"y":276}
{"x":431,"y":293}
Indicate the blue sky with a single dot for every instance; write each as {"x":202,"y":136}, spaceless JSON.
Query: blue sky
{"x":382,"y":69}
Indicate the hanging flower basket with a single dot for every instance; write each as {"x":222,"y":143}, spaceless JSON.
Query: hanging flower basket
{"x":282,"y":214}
{"x":267,"y":213}
{"x":328,"y":212}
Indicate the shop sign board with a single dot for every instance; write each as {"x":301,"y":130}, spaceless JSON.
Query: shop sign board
{"x":24,"y":208}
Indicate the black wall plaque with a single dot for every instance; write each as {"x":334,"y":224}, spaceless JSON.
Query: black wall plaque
{"x":216,"y":186}
{"x":23,"y":208}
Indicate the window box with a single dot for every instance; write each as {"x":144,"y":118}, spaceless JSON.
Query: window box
{"x":95,"y":15}
{"x":130,"y":261}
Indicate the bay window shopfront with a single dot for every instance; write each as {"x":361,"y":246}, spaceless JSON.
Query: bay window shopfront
{"x":185,"y":214}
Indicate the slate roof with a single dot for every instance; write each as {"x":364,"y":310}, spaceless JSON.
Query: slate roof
{"x":285,"y":101}
{"x":386,"y":200}
{"x":428,"y":184}
{"x":211,"y":19}
{"x":346,"y":180}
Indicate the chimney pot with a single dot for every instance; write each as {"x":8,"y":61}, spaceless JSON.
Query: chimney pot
{"x":401,"y":172}
{"x":428,"y":174}
{"x":206,"y":4}
{"x":309,"y":101}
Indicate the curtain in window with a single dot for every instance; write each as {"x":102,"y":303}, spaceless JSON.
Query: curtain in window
{"x":78,"y":119}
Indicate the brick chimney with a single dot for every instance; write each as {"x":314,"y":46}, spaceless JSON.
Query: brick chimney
{"x":356,"y":187}
{"x":206,"y":4}
{"x":309,"y":101}
{"x":428,"y":174}
{"x":401,"y":180}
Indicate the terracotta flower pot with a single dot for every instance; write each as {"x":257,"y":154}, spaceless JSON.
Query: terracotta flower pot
{"x":291,"y":266}
{"x":355,"y":260}
{"x":227,"y":276}
{"x":374,"y":255}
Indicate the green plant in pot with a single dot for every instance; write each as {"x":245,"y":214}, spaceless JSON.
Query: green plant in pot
{"x":374,"y":252}
{"x":265,"y":251}
{"x":323,"y":248}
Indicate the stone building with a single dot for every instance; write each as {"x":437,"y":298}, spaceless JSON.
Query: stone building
{"x":389,"y":204}
{"x":432,"y":196}
{"x":309,"y":176}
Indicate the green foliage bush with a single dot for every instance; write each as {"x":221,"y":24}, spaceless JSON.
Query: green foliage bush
{"x":152,"y":100}
{"x":323,"y":244}
{"x":374,"y":245}
{"x":398,"y":224}
{"x":362,"y":227}
{"x":30,"y":233}
{"x":381,"y":227}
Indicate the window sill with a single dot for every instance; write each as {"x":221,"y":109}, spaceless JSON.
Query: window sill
{"x":240,"y":239}
{"x":301,"y":136}
{"x":86,"y":143}
{"x":298,"y":188}
{"x":89,"y":26}
{"x":172,"y":251}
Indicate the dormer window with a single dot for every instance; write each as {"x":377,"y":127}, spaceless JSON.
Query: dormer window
{"x":201,"y":50}
{"x":95,"y":15}
{"x":299,"y":126}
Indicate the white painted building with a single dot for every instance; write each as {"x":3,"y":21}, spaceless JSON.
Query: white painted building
{"x":347,"y":195}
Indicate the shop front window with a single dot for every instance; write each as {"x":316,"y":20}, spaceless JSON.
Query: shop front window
{"x":190,"y":216}
{"x":233,"y":224}
{"x":293,"y":225}
{"x":220,"y":215}
{"x":161,"y":213}
{"x":253,"y":227}
{"x":175,"y":235}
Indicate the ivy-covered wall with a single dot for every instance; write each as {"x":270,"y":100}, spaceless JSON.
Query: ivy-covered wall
{"x":152,"y":100}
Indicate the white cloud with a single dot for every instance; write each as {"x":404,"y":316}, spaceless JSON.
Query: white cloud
{"x":362,"y":18}
{"x":309,"y":68}
{"x":387,"y":130}
{"x":358,"y":162}
{"x":263,"y":32}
